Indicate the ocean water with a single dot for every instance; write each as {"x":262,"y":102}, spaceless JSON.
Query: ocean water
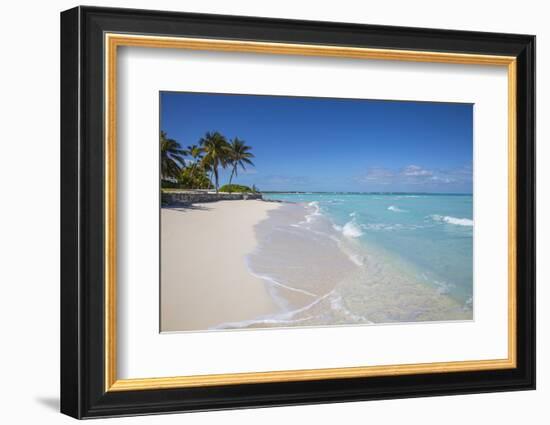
{"x":432,"y":232}
{"x":347,"y":258}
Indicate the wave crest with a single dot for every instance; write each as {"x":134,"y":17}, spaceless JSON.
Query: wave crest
{"x":351,"y":229}
{"x":452,"y":220}
{"x":395,"y":209}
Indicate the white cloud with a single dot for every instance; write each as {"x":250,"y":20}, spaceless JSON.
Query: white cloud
{"x":377,"y":175}
{"x":442,"y":179}
{"x":416,"y":175}
{"x":416,"y":171}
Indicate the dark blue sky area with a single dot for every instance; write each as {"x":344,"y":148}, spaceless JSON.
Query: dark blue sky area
{"x":324,"y":144}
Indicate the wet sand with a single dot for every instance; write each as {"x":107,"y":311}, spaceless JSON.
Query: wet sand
{"x":298,"y":256}
{"x":321,"y":277}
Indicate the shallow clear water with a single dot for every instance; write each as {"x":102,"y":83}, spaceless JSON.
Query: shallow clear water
{"x":430,"y":235}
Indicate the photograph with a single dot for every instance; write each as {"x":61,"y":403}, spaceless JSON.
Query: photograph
{"x":288,"y":211}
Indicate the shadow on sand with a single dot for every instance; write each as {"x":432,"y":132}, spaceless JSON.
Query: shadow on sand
{"x":185,"y":208}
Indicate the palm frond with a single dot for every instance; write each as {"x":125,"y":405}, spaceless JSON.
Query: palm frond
{"x":171,"y":156}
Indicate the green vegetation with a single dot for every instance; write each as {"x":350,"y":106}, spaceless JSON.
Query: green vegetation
{"x":171,"y":157}
{"x":216,"y":153}
{"x":194,"y":179}
{"x":168,"y":184}
{"x":229,"y":188}
{"x":198,"y":166}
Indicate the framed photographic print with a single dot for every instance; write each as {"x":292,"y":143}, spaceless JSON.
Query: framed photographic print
{"x":261,"y":212}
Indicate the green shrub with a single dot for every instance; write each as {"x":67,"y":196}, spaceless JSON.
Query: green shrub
{"x":194,"y":179}
{"x":168,"y":184}
{"x":235,"y":188}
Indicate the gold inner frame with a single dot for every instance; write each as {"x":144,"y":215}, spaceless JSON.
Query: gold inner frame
{"x":113,"y":41}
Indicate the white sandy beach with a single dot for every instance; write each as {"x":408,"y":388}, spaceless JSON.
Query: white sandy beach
{"x":204,"y":278}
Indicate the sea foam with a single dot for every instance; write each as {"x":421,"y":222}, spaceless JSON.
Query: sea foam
{"x":395,"y":209}
{"x":452,"y":220}
{"x":316,"y":211}
{"x":351,"y":229}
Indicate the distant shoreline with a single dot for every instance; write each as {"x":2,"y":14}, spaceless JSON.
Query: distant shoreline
{"x":176,"y":197}
{"x":282,"y":192}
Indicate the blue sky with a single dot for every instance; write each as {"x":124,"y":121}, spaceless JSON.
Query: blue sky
{"x":325,"y":144}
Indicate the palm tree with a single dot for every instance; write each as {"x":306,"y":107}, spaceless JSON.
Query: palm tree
{"x":216,"y":150}
{"x":195,"y":152}
{"x":171,"y":157}
{"x":207,"y":169}
{"x":239,"y":155}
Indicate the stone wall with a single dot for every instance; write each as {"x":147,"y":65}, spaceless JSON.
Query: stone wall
{"x":183,"y":198}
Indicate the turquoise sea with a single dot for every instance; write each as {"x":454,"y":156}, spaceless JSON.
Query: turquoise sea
{"x":364,"y":258}
{"x":432,"y":233}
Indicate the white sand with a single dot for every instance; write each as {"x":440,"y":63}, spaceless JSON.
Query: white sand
{"x":204,"y":278}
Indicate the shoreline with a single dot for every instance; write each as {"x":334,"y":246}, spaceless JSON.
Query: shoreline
{"x":204,"y":278}
{"x":359,"y":283}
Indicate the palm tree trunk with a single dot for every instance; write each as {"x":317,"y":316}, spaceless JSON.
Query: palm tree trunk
{"x":216,"y":177}
{"x":193,"y":173}
{"x":210,"y":175}
{"x":193,"y":167}
{"x":231,"y":176}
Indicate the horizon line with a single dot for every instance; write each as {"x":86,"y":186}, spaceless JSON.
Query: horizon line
{"x":364,"y":192}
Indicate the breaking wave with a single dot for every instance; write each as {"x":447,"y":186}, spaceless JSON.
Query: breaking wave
{"x":395,"y":209}
{"x":452,"y":220}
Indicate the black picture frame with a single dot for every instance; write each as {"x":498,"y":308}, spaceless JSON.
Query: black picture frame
{"x":83,"y":392}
